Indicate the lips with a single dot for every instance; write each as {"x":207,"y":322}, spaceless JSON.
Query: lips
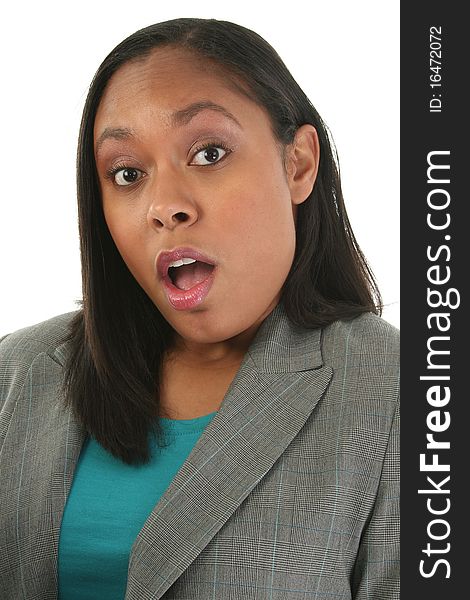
{"x":195,"y":278}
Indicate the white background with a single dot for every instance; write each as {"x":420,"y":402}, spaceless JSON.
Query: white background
{"x":343,"y":54}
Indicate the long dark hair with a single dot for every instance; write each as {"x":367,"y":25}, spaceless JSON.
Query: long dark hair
{"x":118,"y":337}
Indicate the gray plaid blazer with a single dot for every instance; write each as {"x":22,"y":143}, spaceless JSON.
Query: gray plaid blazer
{"x":290,"y":493}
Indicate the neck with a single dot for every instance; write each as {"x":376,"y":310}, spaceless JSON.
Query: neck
{"x":223,"y":354}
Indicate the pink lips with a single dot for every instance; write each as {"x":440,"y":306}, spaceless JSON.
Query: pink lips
{"x":184,"y":299}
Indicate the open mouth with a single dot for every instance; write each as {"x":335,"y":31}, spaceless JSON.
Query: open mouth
{"x":186,"y":273}
{"x":187,"y":276}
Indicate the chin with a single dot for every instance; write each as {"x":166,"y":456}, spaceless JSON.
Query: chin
{"x":205,"y":327}
{"x":210,"y":323}
{"x":208,"y":333}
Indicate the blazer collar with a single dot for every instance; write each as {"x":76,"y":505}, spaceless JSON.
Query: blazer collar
{"x":281,"y":347}
{"x":275,"y":390}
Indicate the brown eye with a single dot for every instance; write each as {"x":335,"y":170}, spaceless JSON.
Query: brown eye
{"x":127,"y":176}
{"x":209,"y":155}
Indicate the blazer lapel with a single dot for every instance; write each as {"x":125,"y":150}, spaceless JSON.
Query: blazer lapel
{"x":276,"y":388}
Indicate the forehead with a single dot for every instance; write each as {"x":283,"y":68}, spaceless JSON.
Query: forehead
{"x":165,"y":81}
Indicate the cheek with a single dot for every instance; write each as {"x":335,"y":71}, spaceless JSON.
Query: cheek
{"x":266,"y":210}
{"x":125,"y":235}
{"x":259,"y":224}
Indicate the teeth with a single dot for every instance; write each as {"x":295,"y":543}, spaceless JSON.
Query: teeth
{"x":181,"y":262}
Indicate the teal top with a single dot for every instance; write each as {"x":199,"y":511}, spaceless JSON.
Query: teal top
{"x":108,"y":504}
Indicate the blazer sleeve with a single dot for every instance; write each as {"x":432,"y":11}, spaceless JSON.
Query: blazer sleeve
{"x":377,"y":569}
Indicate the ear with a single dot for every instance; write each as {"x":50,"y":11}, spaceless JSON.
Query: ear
{"x":303,"y":158}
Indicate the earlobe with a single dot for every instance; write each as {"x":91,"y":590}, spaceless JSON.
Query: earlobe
{"x":303,"y":161}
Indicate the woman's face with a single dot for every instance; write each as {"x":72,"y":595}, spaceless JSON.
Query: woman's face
{"x":191,"y":175}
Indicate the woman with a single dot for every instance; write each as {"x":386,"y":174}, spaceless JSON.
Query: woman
{"x":220,"y":418}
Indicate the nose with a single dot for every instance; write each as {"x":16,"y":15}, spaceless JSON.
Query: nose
{"x":170,"y":209}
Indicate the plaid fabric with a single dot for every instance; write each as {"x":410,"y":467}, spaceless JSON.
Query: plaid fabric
{"x":290,"y":493}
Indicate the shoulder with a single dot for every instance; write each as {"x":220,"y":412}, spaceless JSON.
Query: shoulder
{"x":363,"y":354}
{"x":19,"y":350}
{"x":34,"y":339}
{"x":367,"y":338}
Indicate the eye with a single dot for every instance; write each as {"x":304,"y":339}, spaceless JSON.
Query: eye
{"x":126,"y":176}
{"x":209,"y":155}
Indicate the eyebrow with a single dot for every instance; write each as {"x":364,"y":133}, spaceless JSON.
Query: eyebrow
{"x":178,"y":118}
{"x":114,"y":133}
{"x":184,"y":115}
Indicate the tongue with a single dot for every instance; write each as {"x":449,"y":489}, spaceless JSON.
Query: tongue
{"x":188,"y":276}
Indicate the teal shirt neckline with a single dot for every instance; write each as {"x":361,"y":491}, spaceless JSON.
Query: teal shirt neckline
{"x":182,"y":426}
{"x":108,"y":505}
